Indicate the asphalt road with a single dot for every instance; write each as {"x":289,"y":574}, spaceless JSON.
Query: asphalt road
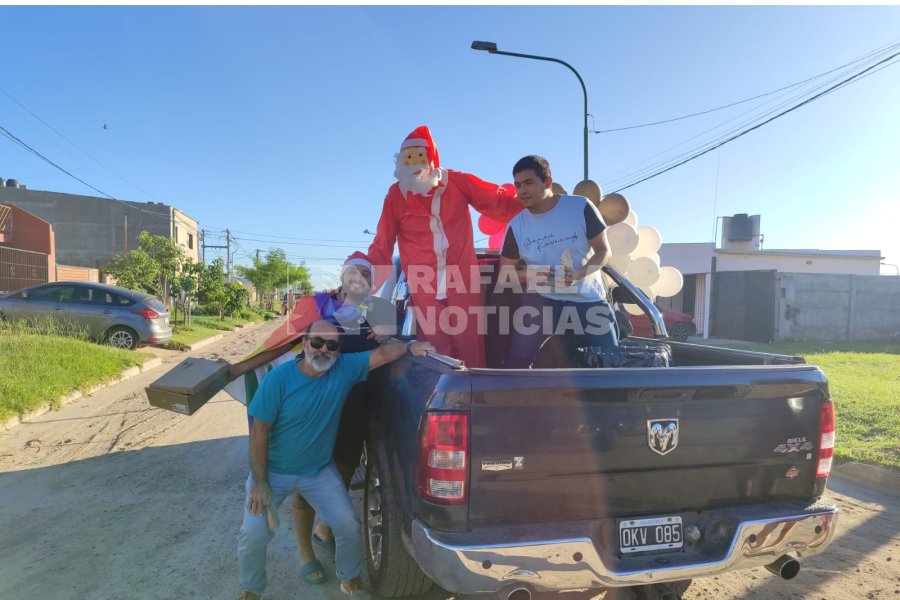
{"x":110,"y":498}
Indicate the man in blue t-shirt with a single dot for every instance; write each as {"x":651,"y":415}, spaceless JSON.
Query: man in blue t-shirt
{"x":295,"y":414}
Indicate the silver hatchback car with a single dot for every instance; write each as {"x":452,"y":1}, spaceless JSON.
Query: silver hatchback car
{"x":119,"y":317}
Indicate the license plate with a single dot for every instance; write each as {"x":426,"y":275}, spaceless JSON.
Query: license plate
{"x":644,"y":535}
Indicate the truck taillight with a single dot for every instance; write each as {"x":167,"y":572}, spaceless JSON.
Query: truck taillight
{"x":826,"y":439}
{"x":443,"y":457}
{"x":147,"y":313}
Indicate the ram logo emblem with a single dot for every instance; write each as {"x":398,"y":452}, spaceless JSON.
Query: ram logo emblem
{"x":662,"y":435}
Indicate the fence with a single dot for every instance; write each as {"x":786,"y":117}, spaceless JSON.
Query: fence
{"x":838,"y":307}
{"x":21,"y":268}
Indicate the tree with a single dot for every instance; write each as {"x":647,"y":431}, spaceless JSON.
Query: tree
{"x":211,"y":287}
{"x":275,"y":273}
{"x":150,"y":267}
{"x":135,"y":271}
{"x":167,"y":254}
{"x":236,"y":298}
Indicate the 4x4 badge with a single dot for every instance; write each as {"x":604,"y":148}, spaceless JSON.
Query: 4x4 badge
{"x":662,"y":435}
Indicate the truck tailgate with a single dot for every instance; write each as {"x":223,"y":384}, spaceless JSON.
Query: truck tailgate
{"x":553,"y":445}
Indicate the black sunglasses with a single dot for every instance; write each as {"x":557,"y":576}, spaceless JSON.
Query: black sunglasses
{"x":317,"y":343}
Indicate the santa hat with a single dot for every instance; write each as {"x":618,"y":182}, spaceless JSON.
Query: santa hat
{"x":357,"y":259}
{"x":421,"y":138}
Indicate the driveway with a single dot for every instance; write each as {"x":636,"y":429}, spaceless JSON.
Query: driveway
{"x":110,"y":498}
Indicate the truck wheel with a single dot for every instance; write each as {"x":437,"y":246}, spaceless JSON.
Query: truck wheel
{"x":656,"y":591}
{"x":392,"y":571}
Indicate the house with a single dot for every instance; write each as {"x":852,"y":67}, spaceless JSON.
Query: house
{"x":740,"y":291}
{"x":26,"y":249}
{"x":89,"y":230}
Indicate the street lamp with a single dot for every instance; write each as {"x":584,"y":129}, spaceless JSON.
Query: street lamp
{"x":491,"y":48}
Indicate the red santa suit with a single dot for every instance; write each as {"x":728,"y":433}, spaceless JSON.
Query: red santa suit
{"x":436,"y":246}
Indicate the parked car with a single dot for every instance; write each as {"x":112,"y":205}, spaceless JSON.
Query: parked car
{"x":678,"y":324}
{"x":517,"y":482}
{"x":113,"y":315}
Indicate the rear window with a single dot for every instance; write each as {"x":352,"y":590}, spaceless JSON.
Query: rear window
{"x":155,"y":304}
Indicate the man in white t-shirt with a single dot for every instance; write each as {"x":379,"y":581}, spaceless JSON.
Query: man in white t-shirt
{"x":557,"y":246}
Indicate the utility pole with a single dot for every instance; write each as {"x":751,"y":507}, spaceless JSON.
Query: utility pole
{"x":228,"y":252}
{"x":257,"y":255}
{"x":125,"y":237}
{"x":202,"y":247}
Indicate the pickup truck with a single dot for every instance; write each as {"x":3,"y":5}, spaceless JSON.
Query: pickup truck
{"x":519,"y":482}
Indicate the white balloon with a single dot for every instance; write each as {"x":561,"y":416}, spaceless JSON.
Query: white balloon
{"x":643,"y":272}
{"x":631,"y":218}
{"x":670,"y":282}
{"x":622,"y":238}
{"x":633,"y":309}
{"x":649,"y":241}
{"x":654,"y":257}
{"x":620,"y":262}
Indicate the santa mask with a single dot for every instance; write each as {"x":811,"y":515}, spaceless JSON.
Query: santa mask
{"x":417,"y":165}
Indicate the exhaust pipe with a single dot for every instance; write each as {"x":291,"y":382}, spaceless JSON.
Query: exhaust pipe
{"x":785,"y":567}
{"x":519,"y":593}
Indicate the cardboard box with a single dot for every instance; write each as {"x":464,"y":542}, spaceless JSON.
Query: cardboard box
{"x":188,"y":386}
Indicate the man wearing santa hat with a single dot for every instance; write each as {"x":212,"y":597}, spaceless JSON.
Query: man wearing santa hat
{"x":427,"y":214}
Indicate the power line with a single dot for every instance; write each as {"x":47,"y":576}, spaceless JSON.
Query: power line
{"x":288,"y":237}
{"x":66,"y":138}
{"x":171,"y":215}
{"x":833,"y":88}
{"x":787,"y":87}
{"x":21,"y":143}
{"x":616,"y":180}
{"x":304,"y":243}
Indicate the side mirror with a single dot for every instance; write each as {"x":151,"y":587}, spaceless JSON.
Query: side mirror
{"x":24,"y":295}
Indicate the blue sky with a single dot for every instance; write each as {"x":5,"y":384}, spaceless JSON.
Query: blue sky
{"x":284,"y":120}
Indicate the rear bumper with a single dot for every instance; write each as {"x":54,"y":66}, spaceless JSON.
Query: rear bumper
{"x":580,"y":558}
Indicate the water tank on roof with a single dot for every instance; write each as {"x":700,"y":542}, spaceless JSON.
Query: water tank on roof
{"x":740,"y":228}
{"x":13,"y":183}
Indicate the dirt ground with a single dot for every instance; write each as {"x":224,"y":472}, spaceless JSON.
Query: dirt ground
{"x":110,"y":498}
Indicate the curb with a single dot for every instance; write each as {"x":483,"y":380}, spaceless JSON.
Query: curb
{"x":76,"y":394}
{"x":206,"y":341}
{"x":879,"y":477}
{"x":215,"y":338}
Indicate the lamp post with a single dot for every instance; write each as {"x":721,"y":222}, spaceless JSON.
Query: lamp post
{"x":491,"y":48}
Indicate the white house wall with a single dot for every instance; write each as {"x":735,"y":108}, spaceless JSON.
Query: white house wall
{"x":802,"y":263}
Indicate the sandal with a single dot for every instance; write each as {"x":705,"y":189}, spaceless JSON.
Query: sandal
{"x":327,"y":545}
{"x":311,"y":568}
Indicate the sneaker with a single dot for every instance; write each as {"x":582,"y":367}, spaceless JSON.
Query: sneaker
{"x":250,"y":596}
{"x":355,"y":590}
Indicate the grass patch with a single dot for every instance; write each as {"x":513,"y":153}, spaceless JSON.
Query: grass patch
{"x":38,"y":368}
{"x":202,"y":327}
{"x":864,"y":379}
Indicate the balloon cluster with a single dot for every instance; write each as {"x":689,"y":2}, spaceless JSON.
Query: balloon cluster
{"x":635,"y":250}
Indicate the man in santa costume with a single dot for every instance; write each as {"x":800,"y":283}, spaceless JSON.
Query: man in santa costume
{"x":427,"y":213}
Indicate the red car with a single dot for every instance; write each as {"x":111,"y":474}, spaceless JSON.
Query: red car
{"x":678,"y":324}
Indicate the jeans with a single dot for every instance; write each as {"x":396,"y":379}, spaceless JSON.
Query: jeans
{"x":590,"y":323}
{"x":326,"y":493}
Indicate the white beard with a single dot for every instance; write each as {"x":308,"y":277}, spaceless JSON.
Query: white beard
{"x":415,"y":178}
{"x":321,"y":363}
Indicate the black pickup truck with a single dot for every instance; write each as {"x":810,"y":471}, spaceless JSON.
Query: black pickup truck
{"x":519,"y":482}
